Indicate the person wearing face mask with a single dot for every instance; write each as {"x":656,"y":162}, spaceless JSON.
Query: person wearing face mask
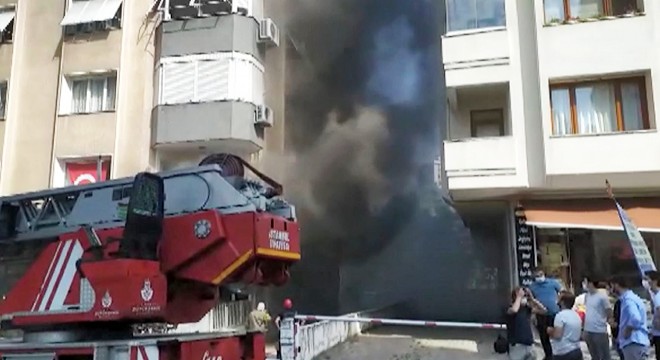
{"x":565,"y":330}
{"x":633,"y":337}
{"x":546,"y":292}
{"x":519,"y":326}
{"x":598,"y":312}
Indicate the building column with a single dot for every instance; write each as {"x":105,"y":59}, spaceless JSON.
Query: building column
{"x":135,"y":90}
{"x":32,"y":97}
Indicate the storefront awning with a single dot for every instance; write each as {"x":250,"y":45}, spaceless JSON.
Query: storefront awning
{"x":597,"y":214}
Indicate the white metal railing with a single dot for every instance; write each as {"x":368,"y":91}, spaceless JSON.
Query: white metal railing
{"x":231,"y":315}
{"x":316,"y":338}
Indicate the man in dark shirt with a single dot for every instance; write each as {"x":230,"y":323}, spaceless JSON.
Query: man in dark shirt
{"x":519,"y":326}
{"x":615,"y":327}
{"x":288,"y":312}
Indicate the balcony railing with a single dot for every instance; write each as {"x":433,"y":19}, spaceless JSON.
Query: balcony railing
{"x":485,"y":156}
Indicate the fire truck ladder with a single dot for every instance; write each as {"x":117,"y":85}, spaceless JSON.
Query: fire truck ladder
{"x":49,"y":213}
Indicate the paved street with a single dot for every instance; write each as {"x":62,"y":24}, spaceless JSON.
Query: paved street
{"x":393,"y":343}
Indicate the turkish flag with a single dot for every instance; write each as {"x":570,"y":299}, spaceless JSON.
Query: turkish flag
{"x":81,"y":173}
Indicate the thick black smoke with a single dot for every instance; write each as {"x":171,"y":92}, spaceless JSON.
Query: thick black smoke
{"x":365,"y":111}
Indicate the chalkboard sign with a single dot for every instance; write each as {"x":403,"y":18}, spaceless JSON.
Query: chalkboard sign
{"x":525,"y":248}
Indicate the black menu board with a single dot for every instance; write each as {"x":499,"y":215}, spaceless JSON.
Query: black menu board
{"x":525,"y":248}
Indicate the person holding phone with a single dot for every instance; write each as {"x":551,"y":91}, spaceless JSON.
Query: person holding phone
{"x":519,"y":325}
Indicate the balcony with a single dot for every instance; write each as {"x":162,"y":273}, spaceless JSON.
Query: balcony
{"x":209,"y":98}
{"x":211,"y":34}
{"x":592,"y":42}
{"x":481,"y":152}
{"x":476,"y":46}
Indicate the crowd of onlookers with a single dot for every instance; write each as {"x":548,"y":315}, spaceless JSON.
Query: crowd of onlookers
{"x":610,"y":315}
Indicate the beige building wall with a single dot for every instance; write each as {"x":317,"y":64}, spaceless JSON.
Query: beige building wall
{"x":39,"y":134}
{"x":32,"y":101}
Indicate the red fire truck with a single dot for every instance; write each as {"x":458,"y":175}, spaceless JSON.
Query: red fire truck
{"x":85,"y":266}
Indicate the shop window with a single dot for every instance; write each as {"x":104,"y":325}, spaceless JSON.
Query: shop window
{"x":570,"y":254}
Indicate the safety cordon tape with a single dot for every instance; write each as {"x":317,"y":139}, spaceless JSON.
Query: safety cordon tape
{"x":378,"y":321}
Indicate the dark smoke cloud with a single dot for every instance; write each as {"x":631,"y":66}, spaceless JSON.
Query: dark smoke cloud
{"x":364,"y":112}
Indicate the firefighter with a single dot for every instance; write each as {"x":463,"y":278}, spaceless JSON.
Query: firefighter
{"x":288,"y":312}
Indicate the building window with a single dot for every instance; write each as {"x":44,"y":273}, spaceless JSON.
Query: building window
{"x":87,"y":16}
{"x":599,"y":107}
{"x":561,"y":10}
{"x":3,"y":100}
{"x":93,"y":94}
{"x":485,"y":123}
{"x":7,"y":25}
{"x":475,"y":14}
{"x":81,"y":170}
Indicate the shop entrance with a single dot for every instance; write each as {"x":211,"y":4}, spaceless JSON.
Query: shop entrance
{"x":571,"y":254}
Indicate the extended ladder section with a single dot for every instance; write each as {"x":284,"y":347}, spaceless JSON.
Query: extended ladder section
{"x":47,"y":214}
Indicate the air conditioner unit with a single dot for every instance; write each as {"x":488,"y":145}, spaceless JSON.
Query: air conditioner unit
{"x":268,"y":32}
{"x":263,"y":116}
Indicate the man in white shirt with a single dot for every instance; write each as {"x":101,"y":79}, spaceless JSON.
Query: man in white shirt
{"x":566,"y":331}
{"x":598,"y":313}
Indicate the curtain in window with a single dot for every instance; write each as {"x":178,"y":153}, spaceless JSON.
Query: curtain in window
{"x":79,"y":96}
{"x":96,"y":94}
{"x":561,"y":111}
{"x":631,"y":100}
{"x":595,"y":109}
{"x":110,"y":94}
{"x":586,"y":8}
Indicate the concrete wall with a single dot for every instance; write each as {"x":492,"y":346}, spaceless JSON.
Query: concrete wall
{"x":599,"y":49}
{"x":200,"y":122}
{"x":136,"y":87}
{"x":85,"y":135}
{"x":275,"y":83}
{"x":530,"y":56}
{"x":90,"y":52}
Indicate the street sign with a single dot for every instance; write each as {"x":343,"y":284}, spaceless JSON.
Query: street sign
{"x":640,"y":250}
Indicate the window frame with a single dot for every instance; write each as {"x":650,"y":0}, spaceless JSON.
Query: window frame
{"x":88,"y":79}
{"x":618,"y":103}
{"x":4,"y":92}
{"x":474,"y":124}
{"x":607,"y":9}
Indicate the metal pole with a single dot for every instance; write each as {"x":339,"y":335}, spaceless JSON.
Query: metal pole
{"x":376,"y":321}
{"x":99,"y":169}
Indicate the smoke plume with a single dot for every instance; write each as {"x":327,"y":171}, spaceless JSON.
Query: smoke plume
{"x":364,"y":114}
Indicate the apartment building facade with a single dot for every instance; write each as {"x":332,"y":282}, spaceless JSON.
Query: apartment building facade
{"x":548,"y":99}
{"x":100,"y":89}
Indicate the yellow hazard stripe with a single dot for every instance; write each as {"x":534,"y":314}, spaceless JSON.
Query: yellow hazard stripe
{"x":278,"y":253}
{"x":232,"y":267}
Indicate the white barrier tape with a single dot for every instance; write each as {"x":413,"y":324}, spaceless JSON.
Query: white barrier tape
{"x":376,"y":321}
